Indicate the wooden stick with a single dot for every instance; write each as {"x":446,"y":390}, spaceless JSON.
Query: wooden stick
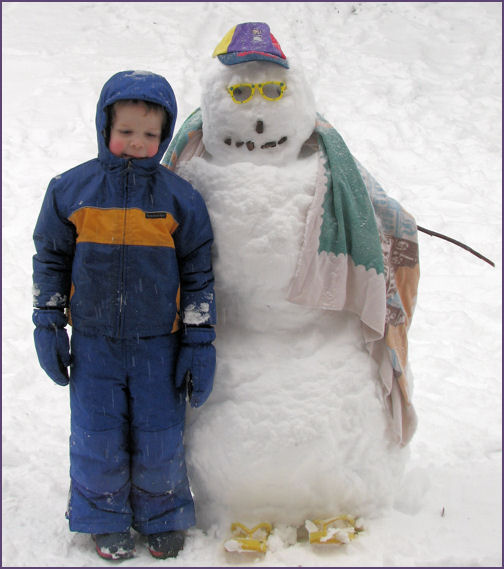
{"x":451,"y":240}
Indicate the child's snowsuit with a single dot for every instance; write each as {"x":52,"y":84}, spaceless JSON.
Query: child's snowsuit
{"x":124,"y":246}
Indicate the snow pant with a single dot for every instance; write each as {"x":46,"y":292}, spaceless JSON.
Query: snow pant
{"x":127,"y":464}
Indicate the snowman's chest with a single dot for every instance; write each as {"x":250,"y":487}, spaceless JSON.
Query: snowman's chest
{"x":258,"y":216}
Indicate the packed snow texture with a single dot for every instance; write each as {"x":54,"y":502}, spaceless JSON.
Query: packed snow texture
{"x":309,"y":434}
{"x":415,"y":91}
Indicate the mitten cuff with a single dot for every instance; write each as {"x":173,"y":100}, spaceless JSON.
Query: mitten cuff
{"x":49,"y":318}
{"x":197,"y":335}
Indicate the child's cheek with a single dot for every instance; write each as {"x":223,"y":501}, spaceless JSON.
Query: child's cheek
{"x":152,"y":149}
{"x":116,"y":147}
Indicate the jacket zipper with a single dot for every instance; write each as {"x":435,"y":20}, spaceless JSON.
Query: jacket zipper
{"x":122,"y":266}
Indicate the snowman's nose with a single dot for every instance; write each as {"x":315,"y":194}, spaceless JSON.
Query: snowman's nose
{"x":259,"y":127}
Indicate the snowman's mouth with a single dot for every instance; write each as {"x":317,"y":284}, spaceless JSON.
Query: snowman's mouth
{"x":250,"y":145}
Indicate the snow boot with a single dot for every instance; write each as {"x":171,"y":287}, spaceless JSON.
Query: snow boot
{"x":166,"y":544}
{"x":114,"y":545}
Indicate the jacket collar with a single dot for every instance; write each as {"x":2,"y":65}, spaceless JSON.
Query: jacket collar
{"x":141,"y":166}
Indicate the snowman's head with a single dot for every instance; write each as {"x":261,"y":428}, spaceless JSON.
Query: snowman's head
{"x":256,"y":107}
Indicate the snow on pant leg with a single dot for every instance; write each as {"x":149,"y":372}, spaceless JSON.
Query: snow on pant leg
{"x":160,"y":495}
{"x":99,"y":441}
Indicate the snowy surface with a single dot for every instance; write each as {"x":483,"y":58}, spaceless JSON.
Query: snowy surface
{"x":415,"y":90}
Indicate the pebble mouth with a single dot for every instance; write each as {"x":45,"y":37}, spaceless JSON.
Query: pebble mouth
{"x":250,"y":145}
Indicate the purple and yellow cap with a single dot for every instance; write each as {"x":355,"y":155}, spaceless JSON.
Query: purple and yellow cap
{"x":251,"y":41}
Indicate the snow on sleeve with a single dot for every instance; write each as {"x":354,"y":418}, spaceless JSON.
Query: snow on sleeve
{"x":195,"y":315}
{"x":35,"y":292}
{"x":56,"y":300}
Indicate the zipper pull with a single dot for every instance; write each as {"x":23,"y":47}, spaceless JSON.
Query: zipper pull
{"x":129,"y":168}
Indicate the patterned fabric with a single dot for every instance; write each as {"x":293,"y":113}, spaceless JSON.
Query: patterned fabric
{"x":359,"y":253}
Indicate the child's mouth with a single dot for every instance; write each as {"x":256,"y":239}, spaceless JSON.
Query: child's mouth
{"x":130,"y":156}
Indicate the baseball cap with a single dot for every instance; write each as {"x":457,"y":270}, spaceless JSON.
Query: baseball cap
{"x":251,"y":41}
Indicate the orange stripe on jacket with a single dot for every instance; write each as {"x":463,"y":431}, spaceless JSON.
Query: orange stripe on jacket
{"x":176,"y":323}
{"x":124,"y":227}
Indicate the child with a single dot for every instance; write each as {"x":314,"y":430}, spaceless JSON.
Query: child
{"x":123,"y":253}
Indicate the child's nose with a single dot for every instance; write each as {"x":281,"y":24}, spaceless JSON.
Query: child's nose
{"x":137,"y":142}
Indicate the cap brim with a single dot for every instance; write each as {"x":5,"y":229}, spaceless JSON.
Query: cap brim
{"x":244,"y":56}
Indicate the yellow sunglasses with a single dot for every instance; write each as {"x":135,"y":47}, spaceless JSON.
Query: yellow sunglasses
{"x":243,"y":92}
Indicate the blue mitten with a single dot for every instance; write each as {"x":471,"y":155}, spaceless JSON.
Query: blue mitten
{"x":51,"y":343}
{"x":196,"y":363}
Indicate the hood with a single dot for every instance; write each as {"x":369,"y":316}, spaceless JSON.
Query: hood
{"x":141,"y":85}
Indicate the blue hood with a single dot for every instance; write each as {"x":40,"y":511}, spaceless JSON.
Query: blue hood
{"x":141,"y":85}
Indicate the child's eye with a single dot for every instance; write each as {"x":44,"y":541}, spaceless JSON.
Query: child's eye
{"x":125,"y":132}
{"x":151,"y":135}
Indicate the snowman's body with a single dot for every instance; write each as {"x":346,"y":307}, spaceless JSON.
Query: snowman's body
{"x":296,"y":427}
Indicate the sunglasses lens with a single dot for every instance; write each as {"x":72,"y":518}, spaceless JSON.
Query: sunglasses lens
{"x":241,"y":93}
{"x":273,"y":90}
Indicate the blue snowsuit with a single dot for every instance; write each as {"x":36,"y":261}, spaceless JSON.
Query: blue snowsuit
{"x":124,"y":246}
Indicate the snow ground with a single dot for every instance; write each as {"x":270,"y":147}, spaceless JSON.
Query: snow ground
{"x":415,"y":90}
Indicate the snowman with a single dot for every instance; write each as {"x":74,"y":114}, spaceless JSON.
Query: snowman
{"x":315,"y":271}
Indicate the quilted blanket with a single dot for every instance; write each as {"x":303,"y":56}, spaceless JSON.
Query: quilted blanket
{"x":359,"y":253}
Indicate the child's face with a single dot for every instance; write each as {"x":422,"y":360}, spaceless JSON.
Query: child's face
{"x":136,"y":130}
